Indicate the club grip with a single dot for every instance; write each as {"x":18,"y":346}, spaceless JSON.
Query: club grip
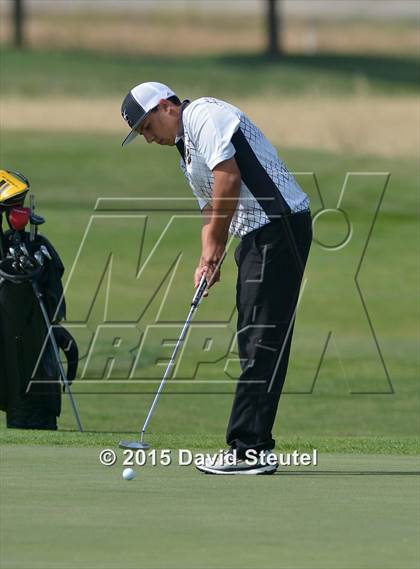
{"x":199,"y":291}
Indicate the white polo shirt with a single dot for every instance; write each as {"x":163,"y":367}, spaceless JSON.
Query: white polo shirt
{"x":214,"y":131}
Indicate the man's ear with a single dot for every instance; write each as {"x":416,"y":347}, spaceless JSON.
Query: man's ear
{"x":164,"y":104}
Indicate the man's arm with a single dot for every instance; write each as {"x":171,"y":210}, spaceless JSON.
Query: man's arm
{"x":206,"y":213}
{"x":217,"y":218}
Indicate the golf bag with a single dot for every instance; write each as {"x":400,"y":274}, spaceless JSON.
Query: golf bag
{"x":30,"y":388}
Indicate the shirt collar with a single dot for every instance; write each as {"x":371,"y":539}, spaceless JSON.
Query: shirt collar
{"x":180,"y":132}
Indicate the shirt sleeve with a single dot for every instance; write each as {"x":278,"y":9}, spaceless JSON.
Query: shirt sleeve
{"x":211,"y":130}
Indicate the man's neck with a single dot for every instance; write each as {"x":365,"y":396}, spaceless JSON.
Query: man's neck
{"x":181,"y":108}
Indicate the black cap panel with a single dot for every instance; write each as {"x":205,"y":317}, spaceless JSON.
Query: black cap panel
{"x":131,"y":111}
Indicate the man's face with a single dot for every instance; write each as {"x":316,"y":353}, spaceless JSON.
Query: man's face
{"x":161,"y":125}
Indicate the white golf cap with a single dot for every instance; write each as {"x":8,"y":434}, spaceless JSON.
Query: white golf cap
{"x":139,"y":102}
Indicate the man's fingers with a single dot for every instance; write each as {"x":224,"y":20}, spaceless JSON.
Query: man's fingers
{"x":211,"y":272}
{"x":215,"y":278}
{"x":199,"y":272}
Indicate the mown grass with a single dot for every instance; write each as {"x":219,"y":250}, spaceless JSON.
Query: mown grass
{"x":41,"y":73}
{"x":69,"y":172}
{"x":403,"y":445}
{"x":62,"y":509}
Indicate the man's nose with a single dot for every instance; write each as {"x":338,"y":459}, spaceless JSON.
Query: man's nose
{"x":149,"y":137}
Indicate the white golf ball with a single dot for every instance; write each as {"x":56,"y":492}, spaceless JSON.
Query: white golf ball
{"x":128,"y":474}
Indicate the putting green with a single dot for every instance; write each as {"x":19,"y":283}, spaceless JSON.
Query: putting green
{"x":61,"y":509}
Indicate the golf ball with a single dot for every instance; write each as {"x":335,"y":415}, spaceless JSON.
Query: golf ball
{"x":128,"y":474}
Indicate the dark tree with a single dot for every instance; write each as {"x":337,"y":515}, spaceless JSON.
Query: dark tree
{"x":274,"y":48}
{"x":18,"y":22}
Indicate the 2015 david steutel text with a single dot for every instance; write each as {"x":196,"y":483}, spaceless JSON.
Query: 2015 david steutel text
{"x":186,"y":457}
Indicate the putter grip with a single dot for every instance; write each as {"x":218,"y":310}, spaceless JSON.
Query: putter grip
{"x":199,"y":291}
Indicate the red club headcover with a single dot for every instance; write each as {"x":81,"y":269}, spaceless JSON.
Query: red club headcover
{"x":19,"y":217}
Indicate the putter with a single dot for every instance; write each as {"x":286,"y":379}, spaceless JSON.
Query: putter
{"x":139,"y":445}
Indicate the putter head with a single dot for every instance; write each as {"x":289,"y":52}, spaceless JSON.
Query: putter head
{"x":133,"y":445}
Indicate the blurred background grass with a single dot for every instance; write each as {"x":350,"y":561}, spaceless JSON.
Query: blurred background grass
{"x":343,"y":97}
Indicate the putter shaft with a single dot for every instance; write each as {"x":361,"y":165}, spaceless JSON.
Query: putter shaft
{"x":198,"y":295}
{"x":194,"y":303}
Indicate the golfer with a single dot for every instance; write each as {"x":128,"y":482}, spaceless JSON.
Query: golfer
{"x":243,"y":188}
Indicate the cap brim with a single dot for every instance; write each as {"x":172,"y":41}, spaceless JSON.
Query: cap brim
{"x":132,"y":135}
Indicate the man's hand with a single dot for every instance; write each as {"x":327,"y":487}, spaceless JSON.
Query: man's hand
{"x":211,"y":256}
{"x":199,"y":272}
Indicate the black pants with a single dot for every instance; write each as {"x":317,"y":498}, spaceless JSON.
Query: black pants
{"x":271,"y":261}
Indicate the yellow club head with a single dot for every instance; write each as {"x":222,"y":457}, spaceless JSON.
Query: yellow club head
{"x":13,"y":188}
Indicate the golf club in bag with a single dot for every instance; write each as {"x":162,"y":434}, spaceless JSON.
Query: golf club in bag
{"x":31,"y":307}
{"x":203,"y":285}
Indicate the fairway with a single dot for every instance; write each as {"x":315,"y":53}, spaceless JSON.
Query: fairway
{"x":62,"y":509}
